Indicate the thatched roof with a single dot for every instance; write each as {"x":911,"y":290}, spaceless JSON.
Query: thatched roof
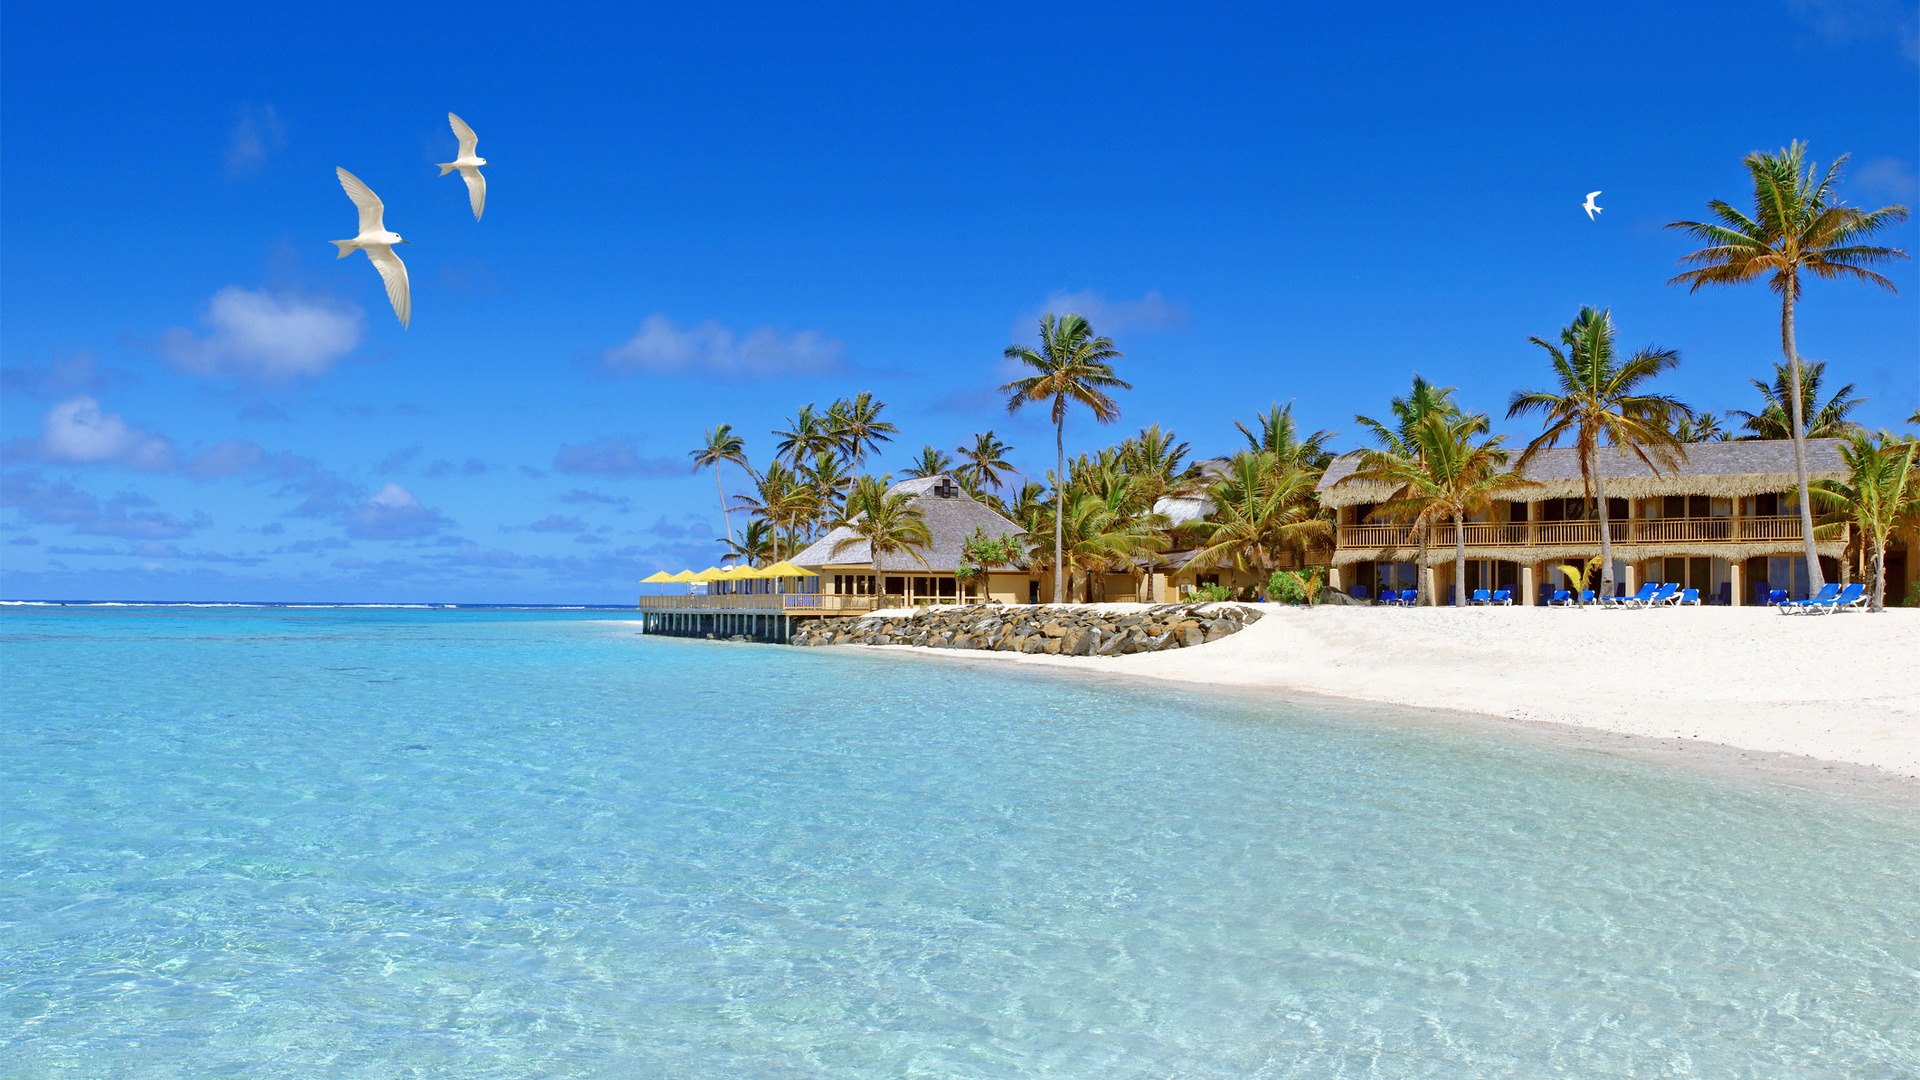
{"x":1725,"y":470}
{"x":951,"y":518}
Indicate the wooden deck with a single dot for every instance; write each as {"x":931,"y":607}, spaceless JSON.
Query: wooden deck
{"x":765,"y":603}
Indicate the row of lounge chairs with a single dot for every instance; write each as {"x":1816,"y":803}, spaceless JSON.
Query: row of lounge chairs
{"x":1831,"y":599}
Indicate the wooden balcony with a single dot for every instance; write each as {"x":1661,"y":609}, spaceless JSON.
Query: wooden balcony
{"x":765,"y":603}
{"x":1577,"y":534}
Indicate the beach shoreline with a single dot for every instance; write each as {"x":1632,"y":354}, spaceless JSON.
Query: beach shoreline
{"x":1824,"y":698}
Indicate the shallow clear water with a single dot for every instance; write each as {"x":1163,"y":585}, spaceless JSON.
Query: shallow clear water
{"x":260,"y":843}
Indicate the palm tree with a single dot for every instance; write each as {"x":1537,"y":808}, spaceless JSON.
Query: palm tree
{"x":1600,"y":403}
{"x":1280,"y":436}
{"x":784,"y":500}
{"x":1799,"y":225}
{"x":1699,"y":428}
{"x":1093,"y":537}
{"x":931,"y":462}
{"x":722,"y":445}
{"x":888,"y":522}
{"x":980,"y":554}
{"x":829,"y":479}
{"x":1422,"y":401}
{"x":1881,"y":496}
{"x":1073,"y":366}
{"x":755,"y":546}
{"x":1444,"y":474}
{"x":1775,"y":420}
{"x":985,"y":461}
{"x":806,"y":435}
{"x":1264,"y":505}
{"x":857,"y":428}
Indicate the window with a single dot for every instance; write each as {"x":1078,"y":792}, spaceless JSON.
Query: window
{"x":1206,"y":579}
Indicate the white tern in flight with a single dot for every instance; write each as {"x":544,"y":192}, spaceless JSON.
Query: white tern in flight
{"x":1588,"y":205}
{"x":468,"y":164}
{"x":377,"y":242}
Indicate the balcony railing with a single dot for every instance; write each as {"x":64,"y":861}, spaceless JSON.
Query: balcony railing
{"x":1716,"y":530}
{"x":770,"y":603}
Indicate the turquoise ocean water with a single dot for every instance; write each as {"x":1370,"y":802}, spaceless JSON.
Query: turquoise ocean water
{"x":371,"y":843}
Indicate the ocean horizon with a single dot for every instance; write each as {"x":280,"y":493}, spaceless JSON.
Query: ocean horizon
{"x":310,"y":840}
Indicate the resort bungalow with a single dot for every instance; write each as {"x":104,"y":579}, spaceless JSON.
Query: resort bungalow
{"x":1723,"y":521}
{"x":925,"y":575}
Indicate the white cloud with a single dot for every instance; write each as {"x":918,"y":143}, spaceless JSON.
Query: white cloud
{"x":1888,"y":176}
{"x":393,"y":513}
{"x":1152,"y":312}
{"x":77,"y":431}
{"x":712,"y":351}
{"x":256,"y":134}
{"x":263,"y":336}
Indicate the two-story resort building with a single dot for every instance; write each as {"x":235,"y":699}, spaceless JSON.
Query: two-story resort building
{"x":1724,"y":521}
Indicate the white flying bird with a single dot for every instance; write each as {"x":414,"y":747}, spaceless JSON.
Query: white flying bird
{"x":377,"y":242}
{"x":1588,"y":205}
{"x":469,"y":165}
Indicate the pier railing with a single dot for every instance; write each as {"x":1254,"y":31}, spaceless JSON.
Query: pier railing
{"x":766,"y":603}
{"x":1625,"y":532}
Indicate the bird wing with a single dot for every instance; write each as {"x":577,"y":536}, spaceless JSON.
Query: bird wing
{"x":394,"y":273}
{"x":468,"y":140}
{"x":371,"y":208}
{"x":1591,"y":194}
{"x":476,"y":189}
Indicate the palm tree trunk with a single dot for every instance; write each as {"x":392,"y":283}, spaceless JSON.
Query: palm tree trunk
{"x":725,"y":517}
{"x":1059,"y":512}
{"x":1878,"y":578}
{"x":1815,"y":582}
{"x":1459,"y":561}
{"x":1606,"y":534}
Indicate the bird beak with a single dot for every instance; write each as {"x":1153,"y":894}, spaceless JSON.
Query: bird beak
{"x":406,"y":241}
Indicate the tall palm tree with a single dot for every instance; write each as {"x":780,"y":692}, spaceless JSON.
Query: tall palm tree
{"x":755,"y":546}
{"x":1443,"y":474}
{"x":807,"y":434}
{"x":829,"y":479}
{"x":856,"y":426}
{"x":888,"y":522}
{"x":1601,"y":403}
{"x":1799,"y":225}
{"x":1880,"y":496}
{"x":985,"y":461}
{"x":722,"y":445}
{"x":1775,"y":420}
{"x":784,"y":500}
{"x":1408,"y":412}
{"x":1072,"y":366}
{"x":1264,"y":505}
{"x":931,"y":462}
{"x":1280,"y":436}
{"x":1094,"y":538}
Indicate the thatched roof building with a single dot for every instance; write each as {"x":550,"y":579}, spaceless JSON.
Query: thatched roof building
{"x":951,"y":516}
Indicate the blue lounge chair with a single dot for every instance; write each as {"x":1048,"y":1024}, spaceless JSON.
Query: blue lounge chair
{"x":1851,"y":596}
{"x":1726,"y":594}
{"x":1587,"y":599}
{"x":1664,"y":595}
{"x":1358,"y":592}
{"x":1409,"y":597}
{"x":1480,"y":596}
{"x":1827,"y":595}
{"x":1638,"y":599}
{"x":1560,"y":598}
{"x":1687,"y":596}
{"x":1775,"y":597}
{"x":1502,"y":597}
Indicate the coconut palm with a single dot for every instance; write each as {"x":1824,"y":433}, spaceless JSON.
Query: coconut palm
{"x":1408,"y":412}
{"x":931,"y":462}
{"x":785,"y":501}
{"x":755,"y":546}
{"x":1880,"y":496}
{"x":985,"y":461}
{"x":1443,"y":474}
{"x":857,"y":428}
{"x":1280,"y":436}
{"x":1699,"y":428}
{"x":1799,"y":226}
{"x":1600,"y":403}
{"x":828,"y":477}
{"x":888,"y":522}
{"x":807,"y":434}
{"x":1264,"y":506}
{"x":1774,"y":421}
{"x":1092,"y":537}
{"x":722,"y":445}
{"x":1073,"y":366}
{"x":980,"y":554}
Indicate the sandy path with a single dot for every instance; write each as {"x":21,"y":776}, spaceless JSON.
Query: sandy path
{"x":1841,"y":688}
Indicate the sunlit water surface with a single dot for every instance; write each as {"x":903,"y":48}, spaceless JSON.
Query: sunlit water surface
{"x":258,"y":843}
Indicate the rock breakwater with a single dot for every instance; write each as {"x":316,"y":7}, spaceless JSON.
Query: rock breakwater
{"x":1059,"y":631}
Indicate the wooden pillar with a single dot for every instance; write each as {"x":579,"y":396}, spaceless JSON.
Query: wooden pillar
{"x":1737,"y":577}
{"x":1337,"y":578}
{"x":1529,"y":587}
{"x":1429,"y":585}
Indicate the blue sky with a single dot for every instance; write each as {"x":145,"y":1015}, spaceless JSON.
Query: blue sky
{"x":710,"y":216}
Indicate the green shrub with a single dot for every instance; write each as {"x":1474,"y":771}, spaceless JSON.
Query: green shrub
{"x":1211,"y":594}
{"x":1285,"y":587}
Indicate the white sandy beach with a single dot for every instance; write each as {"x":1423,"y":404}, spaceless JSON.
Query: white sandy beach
{"x":1839,"y":688}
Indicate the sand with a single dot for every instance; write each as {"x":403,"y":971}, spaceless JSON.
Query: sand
{"x":1838,"y":688}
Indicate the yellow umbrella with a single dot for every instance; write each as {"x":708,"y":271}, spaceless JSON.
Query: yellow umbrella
{"x":658,"y":577}
{"x":787,"y":569}
{"x":711,"y":573}
{"x":682,"y":578}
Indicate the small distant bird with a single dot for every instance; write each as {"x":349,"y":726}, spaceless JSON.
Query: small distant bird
{"x":377,"y":242}
{"x":469,"y":165}
{"x":1588,"y":205}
